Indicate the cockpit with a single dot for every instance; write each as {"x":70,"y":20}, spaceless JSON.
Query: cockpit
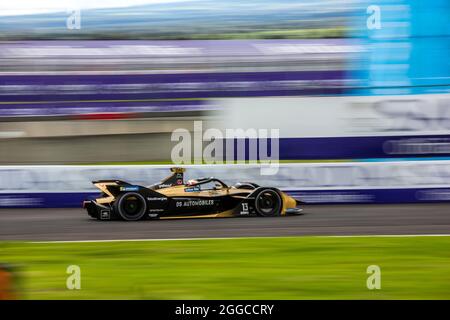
{"x":207,"y":184}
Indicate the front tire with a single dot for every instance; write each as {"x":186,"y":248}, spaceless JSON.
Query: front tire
{"x":131,"y":206}
{"x":268,"y":203}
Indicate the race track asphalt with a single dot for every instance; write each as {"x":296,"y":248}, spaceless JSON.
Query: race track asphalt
{"x":74,"y":224}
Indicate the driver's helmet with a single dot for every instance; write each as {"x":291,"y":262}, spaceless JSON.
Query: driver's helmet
{"x":191,"y":182}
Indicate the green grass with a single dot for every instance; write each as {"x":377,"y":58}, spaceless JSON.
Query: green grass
{"x":260,"y":268}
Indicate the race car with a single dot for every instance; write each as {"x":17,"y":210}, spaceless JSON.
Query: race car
{"x":173,"y":198}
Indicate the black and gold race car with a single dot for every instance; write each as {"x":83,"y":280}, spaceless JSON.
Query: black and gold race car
{"x":173,"y":198}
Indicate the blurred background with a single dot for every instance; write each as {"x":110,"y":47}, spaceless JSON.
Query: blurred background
{"x":359,"y":91}
{"x":349,"y":81}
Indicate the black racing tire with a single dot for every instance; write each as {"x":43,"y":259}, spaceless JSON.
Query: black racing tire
{"x":130,"y":206}
{"x":268,"y":203}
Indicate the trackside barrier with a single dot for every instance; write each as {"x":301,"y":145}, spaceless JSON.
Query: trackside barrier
{"x":349,"y":182}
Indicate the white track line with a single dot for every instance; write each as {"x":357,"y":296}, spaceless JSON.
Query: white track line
{"x":248,"y":238}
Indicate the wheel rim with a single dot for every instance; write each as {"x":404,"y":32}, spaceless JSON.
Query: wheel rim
{"x":132,"y":207}
{"x":268,"y":203}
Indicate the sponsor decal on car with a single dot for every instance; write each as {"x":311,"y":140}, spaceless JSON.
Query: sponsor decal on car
{"x":157,"y":198}
{"x":194,"y":203}
{"x":104,"y":215}
{"x":133,"y":188}
{"x":192,"y":189}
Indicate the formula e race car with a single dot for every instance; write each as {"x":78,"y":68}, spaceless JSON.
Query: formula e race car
{"x":173,"y":198}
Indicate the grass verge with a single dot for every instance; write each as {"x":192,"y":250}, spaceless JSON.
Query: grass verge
{"x":259,"y":268}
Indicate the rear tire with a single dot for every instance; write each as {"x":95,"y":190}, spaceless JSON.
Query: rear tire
{"x":268,"y":203}
{"x":131,"y":206}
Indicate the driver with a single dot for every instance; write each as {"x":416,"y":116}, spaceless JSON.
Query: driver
{"x":191,"y":182}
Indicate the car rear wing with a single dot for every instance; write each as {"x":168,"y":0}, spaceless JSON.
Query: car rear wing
{"x":118,"y":182}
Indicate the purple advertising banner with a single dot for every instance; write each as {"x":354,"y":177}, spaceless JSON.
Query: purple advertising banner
{"x":81,"y":77}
